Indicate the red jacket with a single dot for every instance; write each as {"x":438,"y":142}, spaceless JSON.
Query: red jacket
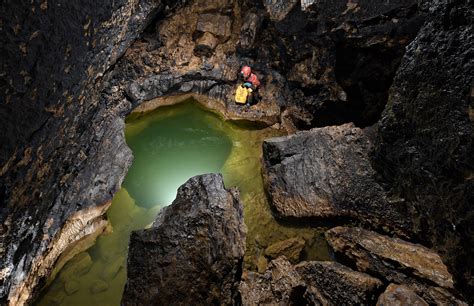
{"x":254,"y":80}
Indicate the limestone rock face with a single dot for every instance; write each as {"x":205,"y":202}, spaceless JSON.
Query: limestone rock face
{"x":347,"y":78}
{"x":326,"y":172}
{"x":308,"y":283}
{"x":400,"y":295}
{"x":249,"y":29}
{"x":193,"y":253}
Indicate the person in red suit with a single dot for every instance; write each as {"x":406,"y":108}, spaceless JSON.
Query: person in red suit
{"x":250,"y":81}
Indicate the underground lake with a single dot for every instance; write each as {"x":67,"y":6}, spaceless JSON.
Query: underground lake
{"x":170,"y":145}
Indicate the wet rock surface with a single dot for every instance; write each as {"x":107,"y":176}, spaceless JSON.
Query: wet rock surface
{"x":308,"y":283}
{"x":194,"y":251}
{"x":326,"y":172}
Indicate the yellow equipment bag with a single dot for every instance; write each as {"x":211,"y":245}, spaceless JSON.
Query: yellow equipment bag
{"x":241,"y":94}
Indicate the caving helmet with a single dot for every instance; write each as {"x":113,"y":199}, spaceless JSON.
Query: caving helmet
{"x":245,"y":72}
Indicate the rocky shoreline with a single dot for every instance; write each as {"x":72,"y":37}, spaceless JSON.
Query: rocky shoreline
{"x":194,"y":252}
{"x":399,"y":71}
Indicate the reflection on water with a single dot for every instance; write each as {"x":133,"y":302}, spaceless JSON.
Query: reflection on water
{"x":170,"y":145}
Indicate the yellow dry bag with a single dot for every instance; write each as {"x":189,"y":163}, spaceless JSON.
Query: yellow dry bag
{"x":241,"y":94}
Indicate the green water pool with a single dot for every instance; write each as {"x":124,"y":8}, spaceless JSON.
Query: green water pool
{"x":170,"y":145}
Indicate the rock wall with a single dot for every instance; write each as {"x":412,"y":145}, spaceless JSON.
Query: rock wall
{"x":424,"y":151}
{"x":327,"y":173}
{"x":193,"y":253}
{"x":63,"y":153}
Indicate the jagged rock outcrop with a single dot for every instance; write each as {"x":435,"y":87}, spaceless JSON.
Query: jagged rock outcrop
{"x":424,"y":150}
{"x":396,"y":261}
{"x":326,"y":172}
{"x":308,"y":283}
{"x":194,"y":251}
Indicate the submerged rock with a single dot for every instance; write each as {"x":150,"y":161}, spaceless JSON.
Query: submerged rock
{"x":290,"y":248}
{"x":113,"y":268}
{"x":326,"y":172}
{"x":71,"y":286}
{"x":99,"y":286}
{"x":194,"y":251}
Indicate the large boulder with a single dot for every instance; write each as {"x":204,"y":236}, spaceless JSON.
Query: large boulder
{"x":308,"y":283}
{"x":193,"y":253}
{"x":392,"y":258}
{"x":338,"y":284}
{"x":396,"y":261}
{"x":326,"y":172}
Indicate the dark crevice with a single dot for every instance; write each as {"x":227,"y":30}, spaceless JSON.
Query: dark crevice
{"x":365,"y":74}
{"x":298,"y":296}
